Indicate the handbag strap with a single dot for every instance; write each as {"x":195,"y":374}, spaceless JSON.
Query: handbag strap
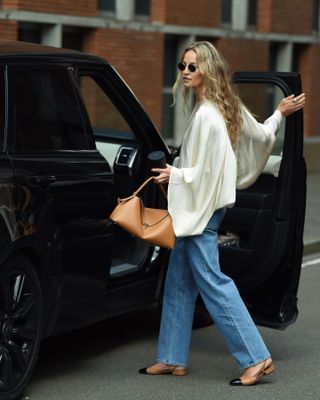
{"x":151,"y":178}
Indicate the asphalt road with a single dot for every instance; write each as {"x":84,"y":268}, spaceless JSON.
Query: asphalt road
{"x":101,"y":362}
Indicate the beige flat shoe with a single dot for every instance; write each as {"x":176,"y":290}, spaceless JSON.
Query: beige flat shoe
{"x":159,"y":369}
{"x":251,"y":378}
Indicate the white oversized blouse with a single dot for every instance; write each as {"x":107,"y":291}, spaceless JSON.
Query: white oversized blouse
{"x":209,"y":170}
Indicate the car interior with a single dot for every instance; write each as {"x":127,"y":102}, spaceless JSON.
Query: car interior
{"x":121,"y":148}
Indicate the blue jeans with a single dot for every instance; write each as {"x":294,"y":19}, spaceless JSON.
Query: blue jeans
{"x":194,"y":268}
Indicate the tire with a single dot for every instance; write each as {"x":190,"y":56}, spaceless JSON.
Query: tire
{"x":21,"y":322}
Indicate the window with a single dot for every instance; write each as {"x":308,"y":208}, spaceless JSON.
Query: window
{"x":107,"y":5}
{"x":240,"y":14}
{"x":280,"y":56}
{"x":109,"y":126}
{"x":261,"y":100}
{"x":252,"y":13}
{"x":72,"y":38}
{"x":142,"y":7}
{"x":2,"y":106}
{"x":298,"y":49}
{"x":316,"y":16}
{"x":169,"y":77}
{"x":29,"y":32}
{"x":46,"y":113}
{"x":273,"y":56}
{"x":226,"y":11}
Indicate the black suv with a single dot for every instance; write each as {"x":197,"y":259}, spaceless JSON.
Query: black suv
{"x":73,"y":139}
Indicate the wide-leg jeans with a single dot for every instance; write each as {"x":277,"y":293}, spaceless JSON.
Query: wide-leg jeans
{"x":194,"y":268}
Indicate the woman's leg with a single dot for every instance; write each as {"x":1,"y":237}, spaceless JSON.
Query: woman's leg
{"x":222,"y":298}
{"x":179,"y":299}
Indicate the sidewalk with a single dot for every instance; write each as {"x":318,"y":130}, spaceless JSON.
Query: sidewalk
{"x":311,"y":235}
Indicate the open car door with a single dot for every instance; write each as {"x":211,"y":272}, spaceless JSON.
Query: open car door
{"x":266,"y":224}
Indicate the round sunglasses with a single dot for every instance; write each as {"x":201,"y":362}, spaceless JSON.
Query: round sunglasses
{"x":191,"y":67}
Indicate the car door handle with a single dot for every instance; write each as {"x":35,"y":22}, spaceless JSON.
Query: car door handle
{"x":41,"y":179}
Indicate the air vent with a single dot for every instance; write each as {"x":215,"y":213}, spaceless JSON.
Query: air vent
{"x":126,"y":156}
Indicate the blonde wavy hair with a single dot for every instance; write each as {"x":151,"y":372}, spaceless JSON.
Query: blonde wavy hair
{"x":217,"y":86}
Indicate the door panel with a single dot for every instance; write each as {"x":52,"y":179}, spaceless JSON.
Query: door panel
{"x":268,"y":217}
{"x":70,"y":184}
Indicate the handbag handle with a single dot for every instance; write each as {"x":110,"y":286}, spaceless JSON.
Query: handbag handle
{"x":151,"y":178}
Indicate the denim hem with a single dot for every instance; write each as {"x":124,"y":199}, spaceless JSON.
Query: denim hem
{"x":176,"y":364}
{"x":251,"y":364}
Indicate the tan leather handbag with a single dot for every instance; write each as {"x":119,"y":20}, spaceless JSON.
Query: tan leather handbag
{"x":150,"y":224}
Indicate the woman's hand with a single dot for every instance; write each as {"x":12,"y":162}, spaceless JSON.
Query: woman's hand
{"x":291,"y":104}
{"x":164,"y":174}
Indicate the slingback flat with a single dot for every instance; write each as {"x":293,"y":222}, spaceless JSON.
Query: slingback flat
{"x":266,"y":369}
{"x":159,"y":369}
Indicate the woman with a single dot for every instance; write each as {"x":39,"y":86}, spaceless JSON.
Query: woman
{"x":216,"y":157}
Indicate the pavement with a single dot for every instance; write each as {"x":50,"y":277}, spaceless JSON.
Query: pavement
{"x":311,"y":235}
{"x":101,"y":362}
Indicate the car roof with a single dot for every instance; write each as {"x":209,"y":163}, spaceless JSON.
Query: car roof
{"x":16,"y":49}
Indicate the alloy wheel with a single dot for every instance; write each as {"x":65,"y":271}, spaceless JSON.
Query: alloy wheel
{"x":20,"y":325}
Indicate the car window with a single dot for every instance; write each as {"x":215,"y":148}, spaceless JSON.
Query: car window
{"x":46,"y":112}
{"x":262,"y":99}
{"x":109,"y":126}
{"x":2,"y":107}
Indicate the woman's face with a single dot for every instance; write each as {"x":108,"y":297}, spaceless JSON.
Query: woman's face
{"x":192,"y":79}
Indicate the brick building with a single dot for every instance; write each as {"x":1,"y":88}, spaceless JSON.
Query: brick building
{"x":142,"y":39}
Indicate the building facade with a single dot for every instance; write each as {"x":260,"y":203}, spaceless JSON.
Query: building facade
{"x":143,"y":39}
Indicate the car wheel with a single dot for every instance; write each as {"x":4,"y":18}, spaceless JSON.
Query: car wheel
{"x":21,"y":319}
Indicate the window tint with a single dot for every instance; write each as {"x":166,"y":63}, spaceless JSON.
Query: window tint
{"x":2,"y":107}
{"x":169,"y":77}
{"x":262,"y":100}
{"x":108,"y":124}
{"x":46,"y":113}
